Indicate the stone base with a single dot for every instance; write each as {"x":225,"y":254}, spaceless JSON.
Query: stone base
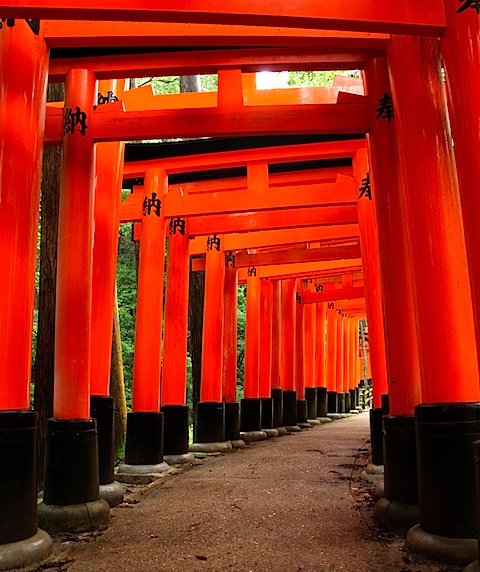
{"x":473,"y":567}
{"x":281,"y":431}
{"x":253,"y":436}
{"x":292,"y":428}
{"x":396,"y":516}
{"x":345,"y":415}
{"x":183,"y":459}
{"x":26,"y":552}
{"x":354,"y":412}
{"x":459,"y":551}
{"x":140,"y":474}
{"x":334,"y":416}
{"x":304,"y":425}
{"x":217,"y":447}
{"x":112,"y":493}
{"x":238,"y":444}
{"x":375,"y":469}
{"x":325,"y":419}
{"x":314,"y":422}
{"x":270,"y":432}
{"x":75,"y":517}
{"x":380,"y":490}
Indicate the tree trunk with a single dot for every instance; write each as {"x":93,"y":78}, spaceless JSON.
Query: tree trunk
{"x":44,"y":361}
{"x":117,"y":386}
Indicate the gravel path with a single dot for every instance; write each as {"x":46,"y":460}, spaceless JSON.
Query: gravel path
{"x":294,"y":503}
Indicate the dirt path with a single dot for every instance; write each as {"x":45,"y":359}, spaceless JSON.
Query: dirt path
{"x":295,"y":503}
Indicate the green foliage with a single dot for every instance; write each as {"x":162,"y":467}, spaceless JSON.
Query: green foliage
{"x":241,"y":321}
{"x":317,"y":78}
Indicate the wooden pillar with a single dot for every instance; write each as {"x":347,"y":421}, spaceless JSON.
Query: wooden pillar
{"x":23,"y":85}
{"x":75,"y":251}
{"x":309,"y":311}
{"x":108,"y":188}
{"x":331,"y":369}
{"x":299,"y":350}
{"x":229,"y":383}
{"x":148,"y":328}
{"x":276,"y":329}
{"x":404,"y":385}
{"x":174,"y":373}
{"x":447,"y":341}
{"x":320,"y":343}
{"x":287,"y":336}
{"x":265,"y":344}
{"x":252,"y":337}
{"x":371,"y":265}
{"x":460,"y":51}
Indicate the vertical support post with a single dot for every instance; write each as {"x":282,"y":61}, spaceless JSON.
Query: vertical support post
{"x":229,"y":381}
{"x":331,"y":369}
{"x":144,"y":443}
{"x":320,"y":359}
{"x":340,"y":372}
{"x":300,"y":354}
{"x":265,"y":370}
{"x":71,"y":457}
{"x":373,"y":293}
{"x":23,"y":88}
{"x":210,"y":415}
{"x":277,"y":391}
{"x":174,"y":372}
{"x":434,"y":220}
{"x":287,"y":361}
{"x":250,"y":414}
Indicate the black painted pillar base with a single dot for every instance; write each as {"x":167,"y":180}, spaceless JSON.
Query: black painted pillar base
{"x":353,"y":398}
{"x":357,"y":396}
{"x":210,"y":422}
{"x":348,"y":404}
{"x":376,"y":435}
{"x":445,"y":433}
{"x":175,"y":429}
{"x":332,"y":402}
{"x":400,"y":459}
{"x":385,"y":403}
{"x":102,"y":409}
{"x":71,"y":462}
{"x":322,"y":408}
{"x":267,"y":413}
{"x":277,"y":397}
{"x":144,"y":443}
{"x":289,"y":408}
{"x":341,"y":402}
{"x":232,"y":421}
{"x":302,"y":411}
{"x":311,"y":397}
{"x":250,"y":414}
{"x":18,"y":475}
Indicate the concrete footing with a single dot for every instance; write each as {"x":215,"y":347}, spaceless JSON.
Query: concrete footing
{"x":26,"y":552}
{"x":324,"y":419}
{"x":82,"y":517}
{"x":396,"y":516}
{"x":354,"y":412}
{"x":314,"y":422}
{"x":380,"y":490}
{"x":459,"y":551}
{"x":473,"y":567}
{"x":140,"y":474}
{"x":270,"y":433}
{"x":253,"y":436}
{"x":374,"y":469}
{"x":292,"y":428}
{"x":216,"y":447}
{"x":305,"y":425}
{"x":112,"y":493}
{"x":281,"y":431}
{"x":238,"y":444}
{"x":182,"y":459}
{"x":334,"y":416}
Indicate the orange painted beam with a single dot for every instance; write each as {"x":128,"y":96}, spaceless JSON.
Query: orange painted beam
{"x":229,"y":202}
{"x":261,"y":239}
{"x":123,"y":34}
{"x":333,"y":295}
{"x":240,"y":158}
{"x":223,"y":122}
{"x":424,"y":17}
{"x":193,"y":62}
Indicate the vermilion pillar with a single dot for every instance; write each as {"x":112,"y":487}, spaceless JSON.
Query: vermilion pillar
{"x":460,"y":51}
{"x":309,"y":311}
{"x":331,"y":369}
{"x":265,"y":370}
{"x":71,"y":458}
{"x":174,"y":372}
{"x":23,"y":85}
{"x":448,"y":353}
{"x":276,"y":392}
{"x":371,"y":265}
{"x":210,"y":419}
{"x":287,"y":348}
{"x":347,"y":357}
{"x":144,"y":443}
{"x":300,"y":355}
{"x":404,"y":386}
{"x":448,"y":363}
{"x":320,"y":359}
{"x":250,"y":409}
{"x":229,"y":380}
{"x":148,"y":328}
{"x":108,"y":188}
{"x":340,"y":371}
